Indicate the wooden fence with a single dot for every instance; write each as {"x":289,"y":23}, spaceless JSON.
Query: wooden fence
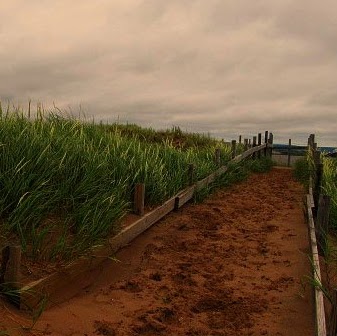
{"x":284,"y":155}
{"x":50,"y":287}
{"x":318,"y":208}
{"x":287,"y":155}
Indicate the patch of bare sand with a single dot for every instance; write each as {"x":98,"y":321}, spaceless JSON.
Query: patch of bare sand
{"x":233,"y":265}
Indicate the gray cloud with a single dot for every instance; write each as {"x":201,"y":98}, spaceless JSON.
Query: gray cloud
{"x":327,"y":99}
{"x":219,"y":66}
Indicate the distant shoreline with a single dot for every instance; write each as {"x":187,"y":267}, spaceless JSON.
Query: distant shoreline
{"x":321,"y":148}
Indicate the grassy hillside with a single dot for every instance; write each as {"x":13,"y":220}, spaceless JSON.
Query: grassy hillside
{"x":65,"y":183}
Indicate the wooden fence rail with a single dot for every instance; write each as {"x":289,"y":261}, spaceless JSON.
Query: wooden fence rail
{"x":316,"y":270}
{"x":289,"y":152}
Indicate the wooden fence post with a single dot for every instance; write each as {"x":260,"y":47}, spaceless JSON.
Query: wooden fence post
{"x":254,"y":140}
{"x":317,"y":157}
{"x":240,"y":139}
{"x":10,"y":266}
{"x":233,"y":149}
{"x":322,"y":221}
{"x":245,"y":144}
{"x":311,"y":141}
{"x":312,"y":138}
{"x":249,"y":143}
{"x":270,"y":144}
{"x":332,"y":328}
{"x":289,"y":152}
{"x":254,"y":145}
{"x":217,"y":158}
{"x":259,"y":142}
{"x":317,"y":176}
{"x":139,"y":199}
{"x":266,"y":142}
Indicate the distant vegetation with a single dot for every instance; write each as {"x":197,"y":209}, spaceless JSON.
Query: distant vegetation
{"x":175,"y":137}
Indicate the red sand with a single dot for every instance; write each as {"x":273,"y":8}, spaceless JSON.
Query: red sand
{"x":234,"y":265}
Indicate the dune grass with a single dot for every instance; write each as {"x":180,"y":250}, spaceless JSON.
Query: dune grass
{"x":329,"y":187}
{"x":306,"y":168}
{"x":174,"y":136}
{"x":65,"y":183}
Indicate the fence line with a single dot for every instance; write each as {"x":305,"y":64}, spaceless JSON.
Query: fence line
{"x":318,"y":208}
{"x":50,"y":287}
{"x":289,"y":151}
{"x":319,"y":297}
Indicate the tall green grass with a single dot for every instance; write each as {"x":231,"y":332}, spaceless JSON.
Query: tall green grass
{"x":329,"y":187}
{"x":65,"y":183}
{"x":301,"y":171}
{"x":329,"y":181}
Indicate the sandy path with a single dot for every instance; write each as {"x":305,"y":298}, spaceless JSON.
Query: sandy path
{"x":233,"y":265}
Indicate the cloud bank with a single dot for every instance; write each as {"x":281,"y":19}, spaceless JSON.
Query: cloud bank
{"x":217,"y":66}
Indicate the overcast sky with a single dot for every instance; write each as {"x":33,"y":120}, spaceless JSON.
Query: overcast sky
{"x":218,"y":66}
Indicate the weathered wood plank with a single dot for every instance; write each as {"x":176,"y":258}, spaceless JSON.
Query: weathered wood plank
{"x":259,"y":142}
{"x":205,"y":182}
{"x":319,"y":303}
{"x":247,"y":153}
{"x":266,"y":134}
{"x":185,"y":196}
{"x":245,"y":141}
{"x":132,"y":231}
{"x":289,"y":152}
{"x":254,"y":145}
{"x":10,"y":266}
{"x":221,"y":170}
{"x":49,"y":287}
{"x":270,"y":144}
{"x":210,"y":178}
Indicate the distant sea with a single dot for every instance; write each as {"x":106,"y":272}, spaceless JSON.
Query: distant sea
{"x":327,"y":149}
{"x":283,"y":148}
